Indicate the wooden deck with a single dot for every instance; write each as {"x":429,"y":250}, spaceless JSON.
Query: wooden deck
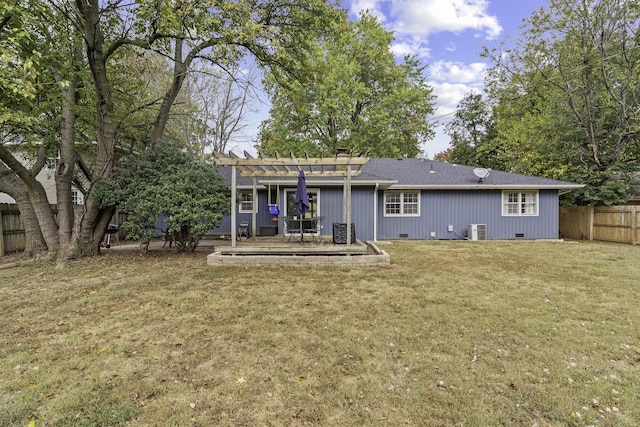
{"x":277,"y":245}
{"x":270,"y":251}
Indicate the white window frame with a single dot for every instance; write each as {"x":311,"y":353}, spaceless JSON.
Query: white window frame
{"x":403,"y":203}
{"x":525,"y":202}
{"x":52,"y":162}
{"x":77,"y":198}
{"x":289,"y":195}
{"x":246,"y":201}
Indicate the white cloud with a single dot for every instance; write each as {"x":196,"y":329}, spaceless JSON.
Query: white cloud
{"x":423,"y":17}
{"x":449,"y":95}
{"x":408,"y":47}
{"x":373,"y":6}
{"x":458,"y":72}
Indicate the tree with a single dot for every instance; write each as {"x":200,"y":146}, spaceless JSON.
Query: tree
{"x":183,"y":33}
{"x":11,"y":184}
{"x":444,"y":156}
{"x":215,"y":107}
{"x":19,"y":63}
{"x":573,"y":80}
{"x":470,"y":130}
{"x":352,"y":95}
{"x":167,"y":181}
{"x":219,"y":32}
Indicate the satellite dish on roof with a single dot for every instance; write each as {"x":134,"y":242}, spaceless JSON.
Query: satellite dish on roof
{"x":481,"y":173}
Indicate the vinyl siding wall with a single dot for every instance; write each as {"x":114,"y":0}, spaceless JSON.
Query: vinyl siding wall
{"x":438,"y":209}
{"x":331,"y":208}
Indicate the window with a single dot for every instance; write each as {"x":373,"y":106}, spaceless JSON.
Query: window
{"x":246,"y":202}
{"x":77,"y":198}
{"x":52,"y":162}
{"x":314,"y":203}
{"x":519,"y":203}
{"x":402,"y":203}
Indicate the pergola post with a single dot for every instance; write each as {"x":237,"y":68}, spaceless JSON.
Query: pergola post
{"x":234,"y":211}
{"x":280,"y":167}
{"x":348,"y":205}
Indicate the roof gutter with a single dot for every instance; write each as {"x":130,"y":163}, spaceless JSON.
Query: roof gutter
{"x":330,"y":182}
{"x":487,"y":187}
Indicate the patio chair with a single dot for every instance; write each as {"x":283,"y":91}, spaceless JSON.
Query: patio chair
{"x":313,"y":227}
{"x":290,"y":227}
{"x":171,"y":236}
{"x":243,"y":230}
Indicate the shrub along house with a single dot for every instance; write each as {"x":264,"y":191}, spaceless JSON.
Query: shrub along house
{"x":404,"y":199}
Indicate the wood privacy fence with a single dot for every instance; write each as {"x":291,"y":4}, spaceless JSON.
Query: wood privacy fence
{"x":604,"y":223}
{"x":11,"y":229}
{"x":12,"y":234}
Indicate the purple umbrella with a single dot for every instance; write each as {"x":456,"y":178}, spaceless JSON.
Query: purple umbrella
{"x":302,"y":199}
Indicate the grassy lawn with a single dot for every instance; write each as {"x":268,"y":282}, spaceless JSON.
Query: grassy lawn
{"x":452,"y":333}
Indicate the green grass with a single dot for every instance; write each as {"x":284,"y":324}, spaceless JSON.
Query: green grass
{"x":452,"y":333}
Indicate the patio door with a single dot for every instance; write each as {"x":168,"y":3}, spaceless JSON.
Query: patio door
{"x":314,"y":202}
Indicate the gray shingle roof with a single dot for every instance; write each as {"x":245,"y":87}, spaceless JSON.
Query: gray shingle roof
{"x":417,"y":173}
{"x":424,"y":174}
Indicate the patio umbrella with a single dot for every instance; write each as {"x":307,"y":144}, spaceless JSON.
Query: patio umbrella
{"x":302,"y":199}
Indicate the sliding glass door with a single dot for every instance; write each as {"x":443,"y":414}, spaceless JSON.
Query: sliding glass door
{"x":314,"y":203}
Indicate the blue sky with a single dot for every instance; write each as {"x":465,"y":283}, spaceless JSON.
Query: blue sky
{"x":447,"y":36}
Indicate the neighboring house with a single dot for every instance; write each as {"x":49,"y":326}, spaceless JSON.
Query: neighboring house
{"x":414,"y":199}
{"x":47,"y":179}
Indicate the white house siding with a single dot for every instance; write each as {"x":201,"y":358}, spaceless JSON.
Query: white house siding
{"x":48,"y":183}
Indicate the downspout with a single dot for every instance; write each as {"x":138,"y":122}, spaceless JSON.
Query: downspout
{"x":234,"y":208}
{"x":254,"y":208}
{"x":375,"y":212}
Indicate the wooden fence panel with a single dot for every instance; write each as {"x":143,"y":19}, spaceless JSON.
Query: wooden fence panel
{"x":12,"y":229}
{"x":12,"y":237}
{"x":576,"y":222}
{"x":604,"y":223}
{"x":614,"y":224}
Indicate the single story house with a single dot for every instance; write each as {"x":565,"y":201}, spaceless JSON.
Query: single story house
{"x":409,"y":199}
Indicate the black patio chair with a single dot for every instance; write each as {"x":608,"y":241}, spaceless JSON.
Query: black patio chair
{"x":291,"y":227}
{"x":313,"y":227}
{"x":243,"y":230}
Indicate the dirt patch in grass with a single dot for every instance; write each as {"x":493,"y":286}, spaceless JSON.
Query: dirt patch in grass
{"x":452,"y":333}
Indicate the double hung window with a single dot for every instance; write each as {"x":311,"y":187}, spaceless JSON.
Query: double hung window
{"x":519,"y":203}
{"x":246,"y":201}
{"x":402,"y":203}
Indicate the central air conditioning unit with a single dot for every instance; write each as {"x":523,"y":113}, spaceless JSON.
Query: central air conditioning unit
{"x":477,"y":232}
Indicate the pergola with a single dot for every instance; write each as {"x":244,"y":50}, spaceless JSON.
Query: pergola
{"x":341,"y":165}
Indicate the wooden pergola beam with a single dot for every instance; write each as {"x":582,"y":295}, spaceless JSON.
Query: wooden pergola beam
{"x":291,"y":166}
{"x":343,"y":166}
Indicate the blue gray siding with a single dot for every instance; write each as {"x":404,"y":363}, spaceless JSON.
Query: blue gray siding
{"x":262,"y":217}
{"x":438,"y":209}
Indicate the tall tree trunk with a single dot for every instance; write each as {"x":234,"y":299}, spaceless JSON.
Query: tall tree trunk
{"x":13,"y":186}
{"x":34,"y":241}
{"x":38,"y":198}
{"x":95,"y":218}
{"x":68,"y":158}
{"x":179,"y":74}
